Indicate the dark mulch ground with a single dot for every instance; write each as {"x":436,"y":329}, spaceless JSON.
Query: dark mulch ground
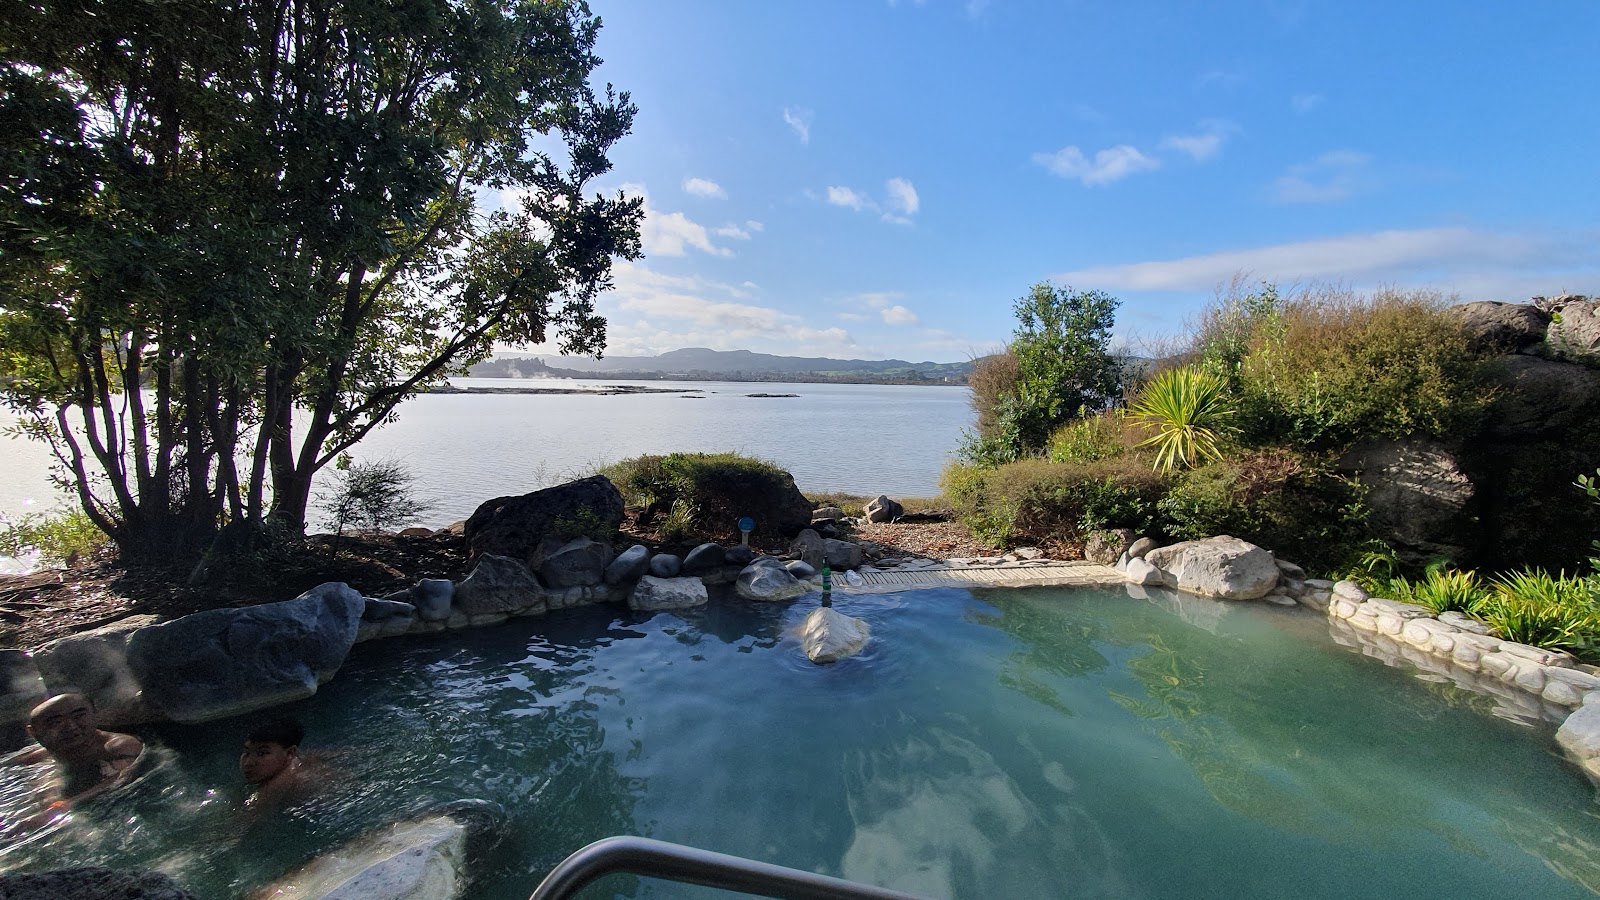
{"x":50,"y":604}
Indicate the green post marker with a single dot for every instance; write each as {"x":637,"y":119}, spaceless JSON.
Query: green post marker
{"x":827,"y":585}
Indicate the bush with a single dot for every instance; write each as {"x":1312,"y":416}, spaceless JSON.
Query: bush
{"x":1289,"y":503}
{"x":707,"y":493}
{"x":1327,"y":367}
{"x":1043,"y":502}
{"x":59,"y":538}
{"x":1106,"y":436}
{"x":371,"y":495}
{"x":1192,"y":412}
{"x":1555,"y":612}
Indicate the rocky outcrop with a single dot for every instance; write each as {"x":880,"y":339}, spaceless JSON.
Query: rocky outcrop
{"x":1574,"y":332}
{"x":766,"y":580}
{"x":652,"y":593}
{"x":579,"y":562}
{"x":1541,"y":398}
{"x":92,"y":884}
{"x":1495,"y":327}
{"x":1223,"y":567}
{"x":499,"y":585}
{"x":1106,"y":546}
{"x":829,"y":635}
{"x":224,"y":662}
{"x":516,"y":527}
{"x":1419,"y":496}
{"x":882,"y":509}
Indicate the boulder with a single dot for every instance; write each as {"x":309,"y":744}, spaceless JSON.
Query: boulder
{"x":1540,"y":398}
{"x":704,"y":558}
{"x":799,"y":568}
{"x":1139,"y":548}
{"x":630,"y":565}
{"x":431,"y":597}
{"x":375,"y":610}
{"x":808,"y":547}
{"x":882,"y":509}
{"x":827,"y":512}
{"x":739,"y":555}
{"x":425,"y":858}
{"x":1418,"y":496}
{"x":1574,"y":332}
{"x":92,"y":884}
{"x":653,"y":593}
{"x":829,"y":635}
{"x":665,"y":565}
{"x":1223,"y":567}
{"x":1104,"y":547}
{"x":579,"y":562}
{"x":768,"y":582}
{"x":842,"y":555}
{"x":21,"y":689}
{"x":515,"y":527}
{"x":225,"y":662}
{"x":95,"y":664}
{"x":499,"y":584}
{"x":828,"y":528}
{"x":1140,"y":572}
{"x":1495,"y":327}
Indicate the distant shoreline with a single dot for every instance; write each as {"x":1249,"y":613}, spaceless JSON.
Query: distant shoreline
{"x":608,"y":390}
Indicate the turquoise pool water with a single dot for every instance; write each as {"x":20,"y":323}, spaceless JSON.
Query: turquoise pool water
{"x":1015,"y":743}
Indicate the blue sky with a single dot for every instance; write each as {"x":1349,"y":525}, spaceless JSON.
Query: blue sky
{"x":882,"y":179}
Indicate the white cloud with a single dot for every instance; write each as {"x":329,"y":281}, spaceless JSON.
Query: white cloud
{"x":855,"y":317}
{"x":701,"y":187}
{"x":731,"y":230}
{"x":1108,"y":165}
{"x":1476,"y":263}
{"x":1329,"y":178}
{"x":903,"y":196}
{"x":671,"y":234}
{"x":1203,"y":145}
{"x":843,"y":196}
{"x":899,"y":315}
{"x":1304,"y":103}
{"x":800,"y":120}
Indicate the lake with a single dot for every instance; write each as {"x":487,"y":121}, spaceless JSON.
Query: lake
{"x":467,"y":448}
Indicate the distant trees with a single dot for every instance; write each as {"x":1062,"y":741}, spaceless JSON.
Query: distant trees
{"x":236,"y":234}
{"x":1058,"y":366}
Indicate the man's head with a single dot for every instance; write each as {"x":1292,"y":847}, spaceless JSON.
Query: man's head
{"x":270,"y":749}
{"x":64,"y":724}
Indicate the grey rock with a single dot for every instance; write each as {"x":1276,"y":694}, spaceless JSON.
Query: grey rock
{"x":1574,"y":331}
{"x":431,"y":597}
{"x":808,"y":546}
{"x":1223,"y":567}
{"x":1418,"y":495}
{"x":630,"y":565}
{"x":705,"y":558}
{"x":827,"y":512}
{"x":1290,"y":570}
{"x":829,"y":635}
{"x":1028,"y":553}
{"x":224,"y":662}
{"x":95,"y":664}
{"x":1142,"y":546}
{"x":652,"y":593}
{"x":516,"y":527}
{"x":1350,"y":590}
{"x":882,"y":509}
{"x":842,"y":554}
{"x":425,"y":858}
{"x":799,"y":568}
{"x":374,"y":610}
{"x":1463,"y":622}
{"x":499,"y":584}
{"x":665,"y":565}
{"x":579,"y":562}
{"x":1542,"y":398}
{"x":767,"y":583}
{"x":21,"y":686}
{"x":1497,"y":327}
{"x":92,"y":884}
{"x":739,"y":555}
{"x":1104,"y":547}
{"x":1140,"y":572}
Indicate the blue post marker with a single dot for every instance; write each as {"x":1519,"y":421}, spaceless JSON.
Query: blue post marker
{"x":746,"y":525}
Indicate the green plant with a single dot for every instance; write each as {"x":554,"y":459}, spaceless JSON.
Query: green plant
{"x":61,"y":537}
{"x":1555,"y":612}
{"x":1443,"y":589}
{"x":1052,"y":503}
{"x":1590,"y":484}
{"x":680,"y":521}
{"x":1192,"y":413}
{"x":1089,"y":440}
{"x":707,"y":493}
{"x":371,"y":495}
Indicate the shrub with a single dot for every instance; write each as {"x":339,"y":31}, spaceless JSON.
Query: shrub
{"x":1556,"y":612}
{"x":1442,"y":590}
{"x":707,"y":493}
{"x":1275,"y":498}
{"x":1093,"y":439}
{"x":1192,"y":413}
{"x":371,"y":495}
{"x":60,"y":537}
{"x":1045,"y":502}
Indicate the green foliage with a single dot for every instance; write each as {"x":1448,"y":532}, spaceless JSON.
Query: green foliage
{"x":1555,"y":612}
{"x":58,"y":537}
{"x":1042,"y":502}
{"x":1060,"y":368}
{"x":706,"y":493}
{"x":1192,"y":413}
{"x":582,"y":523}
{"x":1442,"y":590}
{"x":371,"y":495}
{"x":1590,"y":485}
{"x":1274,"y":498}
{"x":1327,"y":368}
{"x":1091,"y":439}
{"x":268,"y":219}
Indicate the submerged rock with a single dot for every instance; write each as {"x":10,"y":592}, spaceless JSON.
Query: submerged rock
{"x":653,"y":593}
{"x":829,"y":635}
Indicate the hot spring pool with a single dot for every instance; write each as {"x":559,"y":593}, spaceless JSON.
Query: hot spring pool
{"x":1011,"y":743}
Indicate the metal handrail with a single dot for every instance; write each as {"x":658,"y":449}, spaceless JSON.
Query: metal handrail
{"x":676,"y":862}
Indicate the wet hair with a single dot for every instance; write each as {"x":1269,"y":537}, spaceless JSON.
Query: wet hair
{"x":283,"y":732}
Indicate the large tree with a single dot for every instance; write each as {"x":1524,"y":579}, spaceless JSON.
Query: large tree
{"x":236,"y":234}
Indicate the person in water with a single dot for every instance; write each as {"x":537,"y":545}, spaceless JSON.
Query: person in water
{"x":272,"y":764}
{"x":88,"y":761}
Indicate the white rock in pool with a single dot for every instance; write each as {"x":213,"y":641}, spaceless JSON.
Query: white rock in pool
{"x":829,"y":635}
{"x":422,"y":859}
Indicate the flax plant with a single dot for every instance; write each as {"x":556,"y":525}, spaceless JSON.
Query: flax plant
{"x":1192,"y":412}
